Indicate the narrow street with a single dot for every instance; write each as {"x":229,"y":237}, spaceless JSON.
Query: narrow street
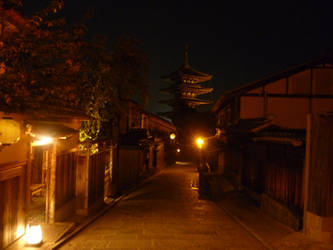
{"x":165,"y":213}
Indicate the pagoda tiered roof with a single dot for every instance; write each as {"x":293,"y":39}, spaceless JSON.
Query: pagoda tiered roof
{"x":185,"y":87}
{"x":187,"y":74}
{"x":188,"y":88}
{"x":178,"y":101}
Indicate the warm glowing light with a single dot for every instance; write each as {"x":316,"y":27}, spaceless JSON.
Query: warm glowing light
{"x":33,"y":235}
{"x":10,"y":131}
{"x":19,"y":231}
{"x":178,"y":150}
{"x":43,"y":140}
{"x":172,"y":136}
{"x":199,"y":142}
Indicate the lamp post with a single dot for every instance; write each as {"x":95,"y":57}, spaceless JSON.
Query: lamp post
{"x":202,"y":169}
{"x":200,"y":142}
{"x":171,"y":148}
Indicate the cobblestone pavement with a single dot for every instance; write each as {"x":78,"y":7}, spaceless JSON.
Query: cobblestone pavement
{"x":165,"y":213}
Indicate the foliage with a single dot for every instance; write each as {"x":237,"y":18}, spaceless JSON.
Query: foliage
{"x":9,"y":4}
{"x":38,"y":54}
{"x":47,"y":62}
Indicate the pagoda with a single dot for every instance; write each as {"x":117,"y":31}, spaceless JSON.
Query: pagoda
{"x":185,"y":87}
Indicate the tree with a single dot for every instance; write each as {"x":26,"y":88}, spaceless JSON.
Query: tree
{"x":47,"y":62}
{"x":113,"y":77}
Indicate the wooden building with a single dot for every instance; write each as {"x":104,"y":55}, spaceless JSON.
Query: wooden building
{"x":37,"y":170}
{"x":142,"y":146}
{"x":263,"y":126}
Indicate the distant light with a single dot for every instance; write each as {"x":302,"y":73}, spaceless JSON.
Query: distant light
{"x":172,"y":136}
{"x":200,"y":142}
{"x":178,"y":150}
{"x":33,"y":235}
{"x":43,"y":140}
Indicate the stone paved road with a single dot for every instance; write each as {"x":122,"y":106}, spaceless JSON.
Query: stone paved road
{"x":165,"y":213}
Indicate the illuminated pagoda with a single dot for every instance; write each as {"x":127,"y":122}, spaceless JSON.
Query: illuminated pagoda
{"x":185,"y":87}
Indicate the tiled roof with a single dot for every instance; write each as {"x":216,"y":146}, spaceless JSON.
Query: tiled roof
{"x":247,"y":125}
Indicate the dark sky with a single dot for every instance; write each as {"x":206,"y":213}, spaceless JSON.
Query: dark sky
{"x":236,"y":42}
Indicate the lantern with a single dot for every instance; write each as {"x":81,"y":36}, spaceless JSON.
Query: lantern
{"x":10,"y":131}
{"x":34,"y":236}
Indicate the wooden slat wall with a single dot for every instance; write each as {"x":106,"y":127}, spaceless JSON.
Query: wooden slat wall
{"x":254,"y":161}
{"x":12,"y":201}
{"x":275,"y":169}
{"x":129,"y":164}
{"x":81,"y":183}
{"x":65,"y":176}
{"x":284,"y":184}
{"x":98,"y":163}
{"x":320,"y":190}
{"x":283,"y":175}
{"x":160,"y":156}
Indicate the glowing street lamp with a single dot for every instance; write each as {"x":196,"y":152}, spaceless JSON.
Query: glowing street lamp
{"x":200,"y":142}
{"x":172,"y":136}
{"x":178,"y":150}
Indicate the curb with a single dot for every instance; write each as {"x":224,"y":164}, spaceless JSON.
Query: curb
{"x":67,"y":236}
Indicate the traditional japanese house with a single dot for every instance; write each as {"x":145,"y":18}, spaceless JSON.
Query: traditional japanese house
{"x":38,"y":163}
{"x":263,"y":127}
{"x":38,"y":156}
{"x":142,"y":146}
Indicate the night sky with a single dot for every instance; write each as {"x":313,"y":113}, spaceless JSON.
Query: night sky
{"x":236,"y":42}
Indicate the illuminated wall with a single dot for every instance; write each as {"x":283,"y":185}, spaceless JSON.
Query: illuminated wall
{"x":251,"y":107}
{"x":289,"y":112}
{"x":288,"y":99}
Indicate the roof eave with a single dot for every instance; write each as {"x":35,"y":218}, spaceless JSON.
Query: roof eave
{"x":220,"y":103}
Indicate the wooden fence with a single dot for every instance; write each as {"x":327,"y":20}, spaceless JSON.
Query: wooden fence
{"x":129,"y":162}
{"x":12,"y":202}
{"x":90,"y":182}
{"x":320,"y":189}
{"x":283,"y":175}
{"x":65,"y":176}
{"x":275,"y":169}
{"x":98,"y":164}
{"x":254,"y":161}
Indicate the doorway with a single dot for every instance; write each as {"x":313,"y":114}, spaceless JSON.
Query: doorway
{"x":39,"y":166}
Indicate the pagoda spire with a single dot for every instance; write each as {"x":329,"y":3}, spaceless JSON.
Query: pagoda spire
{"x":186,"y":63}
